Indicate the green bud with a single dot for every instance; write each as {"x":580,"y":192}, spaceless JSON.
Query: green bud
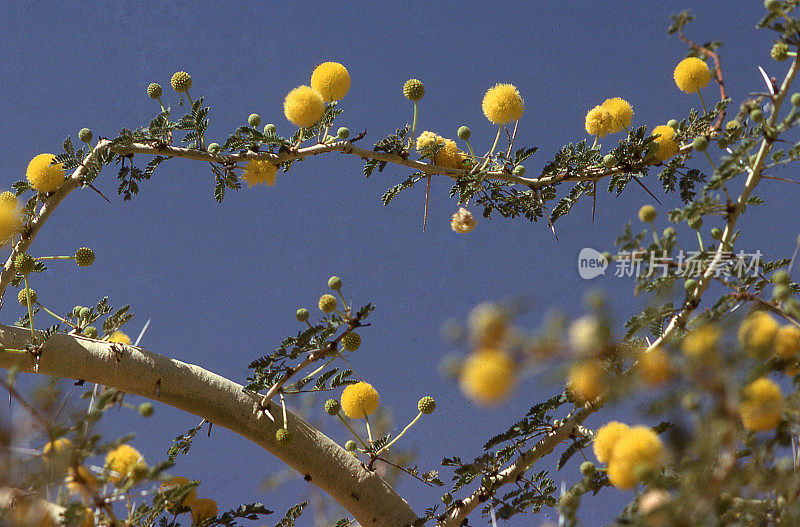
{"x":343,"y":133}
{"x":588,"y":469}
{"x":426,"y":405}
{"x":672,"y":123}
{"x":519,"y":170}
{"x":700,"y":143}
{"x":335,"y":283}
{"x":609,"y":160}
{"x":647,"y":214}
{"x":668,"y":232}
{"x":772,"y":5}
{"x":90,"y":331}
{"x":695,"y":222}
{"x":214,"y":148}
{"x":780,"y":277}
{"x":283,"y":436}
{"x":302,"y":314}
{"x":716,"y":233}
{"x":332,"y":407}
{"x":146,"y":409}
{"x":85,"y":135}
{"x":76,"y":311}
{"x":780,"y":51}
{"x":154,"y":90}
{"x":350,"y":446}
{"x":447,"y":498}
{"x":795,"y":98}
{"x":690,"y":285}
{"x":270,"y":129}
{"x":85,"y":312}
{"x":780,"y":292}
{"x":464,"y":133}
{"x":254,"y":120}
{"x":756,"y":115}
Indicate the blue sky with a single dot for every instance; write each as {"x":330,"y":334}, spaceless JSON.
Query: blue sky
{"x":221,"y":283}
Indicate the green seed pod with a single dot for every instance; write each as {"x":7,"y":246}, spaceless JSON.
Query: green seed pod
{"x":756,"y":115}
{"x":84,"y":313}
{"x":647,"y":214}
{"x":672,"y":123}
{"x":283,"y":436}
{"x":214,"y":148}
{"x":716,"y":233}
{"x":84,"y":257}
{"x":690,"y":285}
{"x":350,"y":446}
{"x":780,"y":277}
{"x":146,"y":409}
{"x":302,"y":314}
{"x":426,"y":405}
{"x":343,"y":133}
{"x":270,"y":129}
{"x":332,"y":407}
{"x":609,"y":160}
{"x":413,"y":89}
{"x":254,"y":120}
{"x":181,"y":81}
{"x":464,"y":133}
{"x":519,"y":170}
{"x":154,"y":90}
{"x":24,"y":263}
{"x":695,"y":222}
{"x":351,"y":341}
{"x":90,"y":331}
{"x":85,"y":135}
{"x":700,"y":143}
{"x":335,"y":283}
{"x":26,"y":297}
{"x":780,"y":51}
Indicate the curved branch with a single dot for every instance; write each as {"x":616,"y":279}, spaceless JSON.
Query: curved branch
{"x":220,"y":401}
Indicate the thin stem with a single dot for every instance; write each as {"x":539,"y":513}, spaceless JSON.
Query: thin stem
{"x":283,"y":405}
{"x":702,"y":102}
{"x":710,"y":160}
{"x":700,"y":240}
{"x":30,"y":309}
{"x":386,"y":447}
{"x":595,"y":141}
{"x":369,"y":430}
{"x":339,"y":415}
{"x":64,"y":320}
{"x":491,"y":151}
{"x":413,"y":127}
{"x":471,"y":153}
{"x":56,"y":257}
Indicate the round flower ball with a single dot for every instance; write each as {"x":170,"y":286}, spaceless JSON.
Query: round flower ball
{"x":654,"y":367}
{"x":359,"y":400}
{"x":502,"y":104}
{"x":606,"y":439}
{"x":691,"y":74}
{"x":327,"y":303}
{"x":56,"y":449}
{"x":701,"y":344}
{"x":487,"y":376}
{"x":43,"y":175}
{"x":599,"y":121}
{"x":761,"y":406}
{"x":586,"y":381}
{"x":203,"y":509}
{"x":121,"y":461}
{"x":638,"y":448}
{"x":757,"y":334}
{"x":488,"y":324}
{"x":303,"y":106}
{"x":667,"y":147}
{"x":413,"y":90}
{"x":84,"y":257}
{"x":331,"y":80}
{"x":258,"y":171}
{"x":647,"y":214}
{"x":787,"y":342}
{"x":181,"y":81}
{"x":119,"y":337}
{"x":621,"y":113}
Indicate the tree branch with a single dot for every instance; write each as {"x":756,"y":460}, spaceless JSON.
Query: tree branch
{"x":371,"y":500}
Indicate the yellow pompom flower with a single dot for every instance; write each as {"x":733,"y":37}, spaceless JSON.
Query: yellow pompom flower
{"x":10,"y":222}
{"x":487,"y":376}
{"x":121,"y":461}
{"x":599,"y":121}
{"x":606,"y":439}
{"x":654,"y":367}
{"x":691,"y":74}
{"x":8,"y":200}
{"x":667,"y":147}
{"x":175,"y":482}
{"x":80,"y":481}
{"x":120,"y":337}
{"x":488,"y":325}
{"x":448,"y":155}
{"x":331,"y":80}
{"x":761,"y":406}
{"x":203,"y":509}
{"x":503,"y":104}
{"x":359,"y":400}
{"x":586,"y":381}
{"x":621,"y":113}
{"x":304,"y":106}
{"x":701,"y":344}
{"x":462,"y":221}
{"x":259,"y":171}
{"x":55,"y":450}
{"x":637,"y":449}
{"x":787,"y":342}
{"x":757,"y":334}
{"x":43,"y":176}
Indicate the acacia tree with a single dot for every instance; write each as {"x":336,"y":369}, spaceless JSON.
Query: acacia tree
{"x":721,"y":454}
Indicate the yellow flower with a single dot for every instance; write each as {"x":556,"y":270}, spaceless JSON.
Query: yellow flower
{"x":119,"y":336}
{"x":654,"y":367}
{"x":487,"y":376}
{"x":43,"y":176}
{"x":701,"y":344}
{"x":667,"y":147}
{"x":586,"y":381}
{"x":488,"y":325}
{"x":8,"y":200}
{"x":303,"y":106}
{"x":787,"y":342}
{"x":260,"y":171}
{"x":621,"y":113}
{"x":502,"y":104}
{"x":60,"y":449}
{"x":691,"y":74}
{"x":80,"y":480}
{"x":203,"y":509}
{"x":448,"y":155}
{"x":121,"y":461}
{"x":463,"y":221}
{"x":173,"y":483}
{"x":331,"y":80}
{"x":359,"y":400}
{"x":761,"y":406}
{"x":599,"y":121}
{"x":606,"y":438}
{"x":757,"y":333}
{"x":88,"y":518}
{"x":639,"y":448}
{"x":10,"y":222}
